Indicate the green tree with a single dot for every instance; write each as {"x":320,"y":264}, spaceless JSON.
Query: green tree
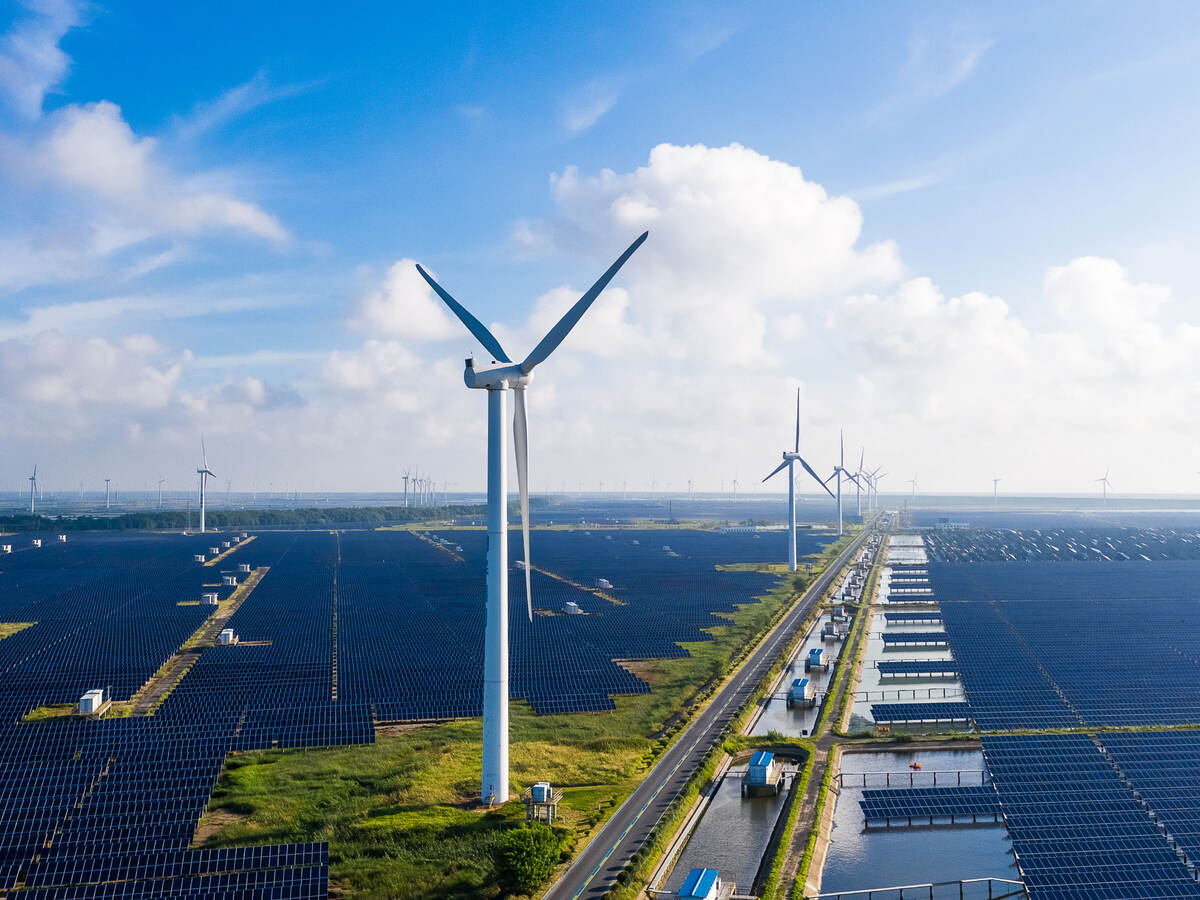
{"x":527,"y":856}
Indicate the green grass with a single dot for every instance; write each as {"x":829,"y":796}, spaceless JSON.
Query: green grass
{"x":399,"y":816}
{"x":7,"y":629}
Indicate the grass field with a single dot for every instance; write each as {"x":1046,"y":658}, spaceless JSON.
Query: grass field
{"x":399,"y":815}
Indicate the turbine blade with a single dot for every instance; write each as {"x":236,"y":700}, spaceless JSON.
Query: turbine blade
{"x":816,"y":477}
{"x":556,"y":334}
{"x":474,"y":326}
{"x":779,"y":468}
{"x":521,"y":447}
{"x":797,"y":448}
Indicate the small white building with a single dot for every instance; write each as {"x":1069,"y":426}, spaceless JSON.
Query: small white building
{"x":229,"y":580}
{"x":244,"y":535}
{"x":37,"y":542}
{"x":62,"y":538}
{"x":199,"y":557}
{"x":5,"y":548}
{"x":91,"y":702}
{"x":244,"y":568}
{"x":519,"y":565}
{"x":604,"y":584}
{"x":210,"y":598}
{"x":571,"y":608}
{"x":214,"y":550}
{"x":227,"y":636}
{"x":226,"y":544}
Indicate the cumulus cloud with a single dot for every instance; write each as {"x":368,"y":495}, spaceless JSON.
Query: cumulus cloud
{"x":81,"y":194}
{"x":404,"y":304}
{"x":91,"y":148}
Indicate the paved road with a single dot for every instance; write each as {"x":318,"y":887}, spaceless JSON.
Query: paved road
{"x":595,"y":870}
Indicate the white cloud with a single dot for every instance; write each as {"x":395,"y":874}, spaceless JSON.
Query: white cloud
{"x":91,"y":148}
{"x":31,"y":62}
{"x":590,"y":103}
{"x":404,"y":305}
{"x":234,"y":103}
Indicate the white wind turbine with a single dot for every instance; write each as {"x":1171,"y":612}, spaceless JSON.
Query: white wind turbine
{"x":840,"y":471}
{"x":996,"y":479}
{"x":502,"y":376}
{"x":107,"y":493}
{"x":789,"y":459}
{"x":913,"y":481}
{"x":1105,"y":484}
{"x":160,"y":484}
{"x":861,"y":475}
{"x":32,"y":488}
{"x":205,"y":473}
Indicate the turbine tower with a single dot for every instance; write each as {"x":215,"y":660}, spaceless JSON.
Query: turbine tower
{"x":839,"y":471}
{"x":160,"y":484}
{"x":502,"y":376}
{"x":860,"y":474}
{"x":107,"y":494}
{"x":913,"y":482}
{"x":1105,"y":484}
{"x":205,"y":473}
{"x":32,"y":488}
{"x":996,"y":488}
{"x":789,"y":459}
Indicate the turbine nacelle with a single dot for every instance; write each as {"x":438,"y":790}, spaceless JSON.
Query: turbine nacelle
{"x":496,"y":377}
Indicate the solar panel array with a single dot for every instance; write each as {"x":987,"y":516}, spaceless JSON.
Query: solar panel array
{"x":1113,"y":543}
{"x":1076,"y":829}
{"x":929,"y":802}
{"x":1163,"y":770}
{"x":108,"y":808}
{"x":1034,"y":653}
{"x":917,"y":667}
{"x":921,"y":712}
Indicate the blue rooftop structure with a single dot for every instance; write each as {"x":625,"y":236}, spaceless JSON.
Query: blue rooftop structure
{"x":762,"y":758}
{"x":700,"y":883}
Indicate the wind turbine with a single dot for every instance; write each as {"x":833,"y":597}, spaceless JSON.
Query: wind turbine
{"x":160,"y":484}
{"x":204,"y":472}
{"x":789,"y":459}
{"x":839,"y":471}
{"x":32,"y":488}
{"x":502,"y":376}
{"x":107,"y":492}
{"x":860,"y":474}
{"x":1105,"y":484}
{"x":876,"y":477}
{"x":996,"y":488}
{"x":913,"y":482}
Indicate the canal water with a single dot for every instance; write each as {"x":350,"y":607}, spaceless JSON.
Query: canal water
{"x":733,"y":834}
{"x":799,"y":719}
{"x":859,"y":858}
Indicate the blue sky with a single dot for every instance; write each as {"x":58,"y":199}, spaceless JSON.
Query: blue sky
{"x":202,"y":206}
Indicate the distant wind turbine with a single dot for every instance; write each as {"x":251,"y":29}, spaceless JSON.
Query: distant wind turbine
{"x":996,"y":488}
{"x":789,"y":460}
{"x":1105,"y":484}
{"x":497,"y":380}
{"x":860,"y":475}
{"x":107,"y":492}
{"x":160,"y":484}
{"x":840,"y":471}
{"x":32,"y":488}
{"x":205,"y":473}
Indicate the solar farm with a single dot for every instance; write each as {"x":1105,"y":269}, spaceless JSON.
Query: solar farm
{"x":1065,"y":629}
{"x":340,"y":633}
